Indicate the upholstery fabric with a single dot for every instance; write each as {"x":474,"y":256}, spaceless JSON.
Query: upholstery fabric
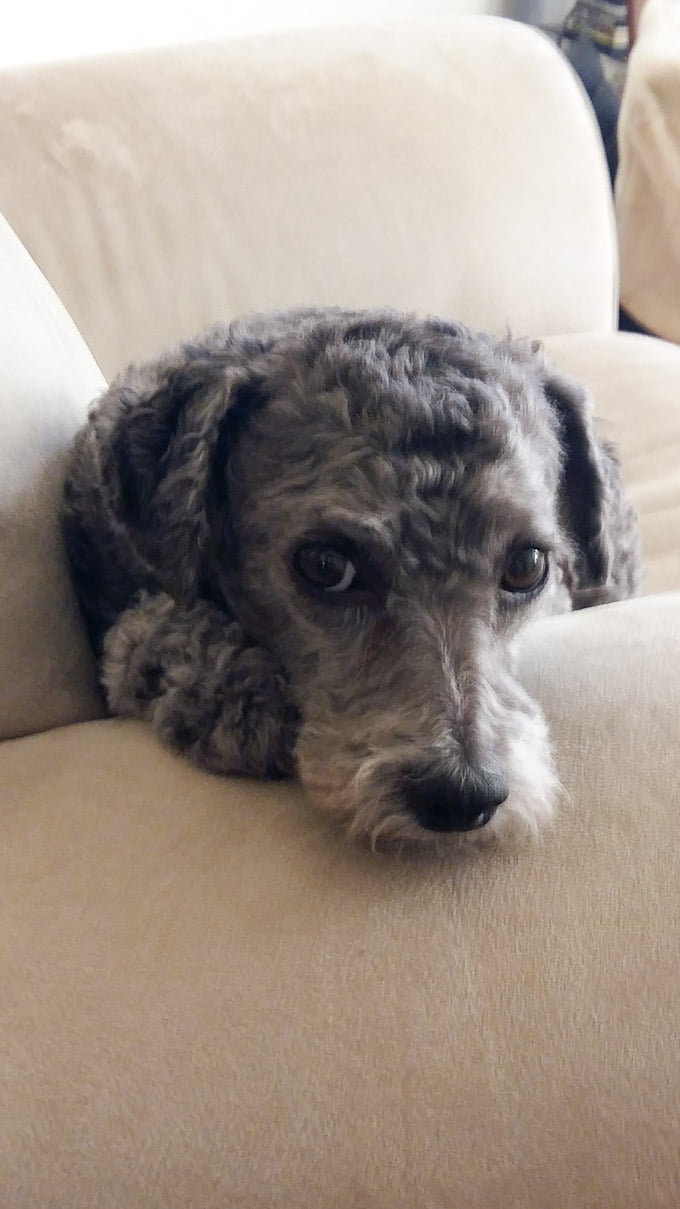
{"x":47,"y":379}
{"x":358,"y":166}
{"x":208,"y":999}
{"x":648,"y":182}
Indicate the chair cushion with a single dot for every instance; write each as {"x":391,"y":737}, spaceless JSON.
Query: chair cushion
{"x":210,"y":999}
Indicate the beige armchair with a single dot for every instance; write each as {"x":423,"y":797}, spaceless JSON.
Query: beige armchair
{"x":208,"y":999}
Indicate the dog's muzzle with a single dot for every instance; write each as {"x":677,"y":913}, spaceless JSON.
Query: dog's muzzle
{"x":441,"y":802}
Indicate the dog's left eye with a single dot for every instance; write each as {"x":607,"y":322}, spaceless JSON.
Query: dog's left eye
{"x":525,"y":570}
{"x":324,"y":567}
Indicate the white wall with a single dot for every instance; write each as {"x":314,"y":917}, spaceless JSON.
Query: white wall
{"x":35,"y":30}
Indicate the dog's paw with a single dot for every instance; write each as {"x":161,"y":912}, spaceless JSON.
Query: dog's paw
{"x":240,"y":719}
{"x":208,"y":690}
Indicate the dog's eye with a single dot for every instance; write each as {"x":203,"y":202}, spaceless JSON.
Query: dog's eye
{"x":324,"y":567}
{"x":525,"y":569}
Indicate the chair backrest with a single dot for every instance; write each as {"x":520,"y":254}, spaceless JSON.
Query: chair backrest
{"x":449,"y":166}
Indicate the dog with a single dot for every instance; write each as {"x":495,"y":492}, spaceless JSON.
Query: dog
{"x":306,"y":543}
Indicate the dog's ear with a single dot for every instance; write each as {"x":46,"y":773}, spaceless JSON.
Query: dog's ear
{"x":166,"y":452}
{"x":595,"y":511}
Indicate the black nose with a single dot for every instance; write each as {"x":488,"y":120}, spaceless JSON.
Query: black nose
{"x":441,"y":802}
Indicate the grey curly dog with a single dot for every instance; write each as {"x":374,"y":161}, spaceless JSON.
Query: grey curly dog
{"x":305,"y":544}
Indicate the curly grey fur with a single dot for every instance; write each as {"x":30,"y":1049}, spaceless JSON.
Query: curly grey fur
{"x":428,"y":451}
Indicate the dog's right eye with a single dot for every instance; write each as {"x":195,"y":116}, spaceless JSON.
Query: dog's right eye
{"x":525,"y":571}
{"x":324,"y":567}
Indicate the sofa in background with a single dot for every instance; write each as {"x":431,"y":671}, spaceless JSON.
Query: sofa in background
{"x":648,"y":181}
{"x":208,"y":999}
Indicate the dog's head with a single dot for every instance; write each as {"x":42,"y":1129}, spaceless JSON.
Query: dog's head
{"x":384,"y":502}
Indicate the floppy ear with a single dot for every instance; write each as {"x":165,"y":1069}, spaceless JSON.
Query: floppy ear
{"x":171,"y":432}
{"x":595,"y":511}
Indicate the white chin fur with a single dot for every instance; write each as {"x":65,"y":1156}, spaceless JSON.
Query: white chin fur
{"x":362,"y":801}
{"x":535,"y":788}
